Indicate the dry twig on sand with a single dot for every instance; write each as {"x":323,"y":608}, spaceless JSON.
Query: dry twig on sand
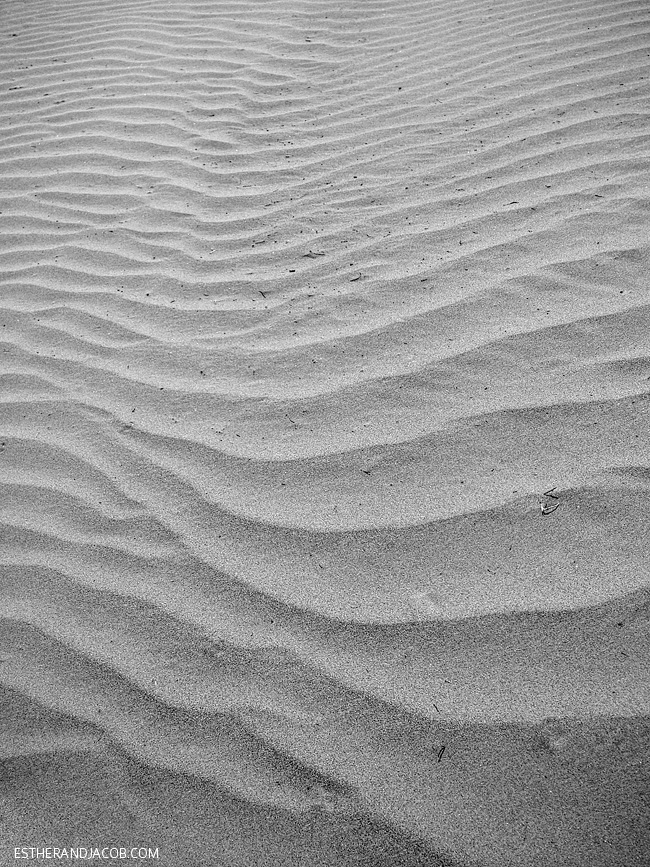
{"x":548,"y":508}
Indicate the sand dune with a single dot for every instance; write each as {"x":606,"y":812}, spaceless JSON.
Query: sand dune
{"x":305,"y":308}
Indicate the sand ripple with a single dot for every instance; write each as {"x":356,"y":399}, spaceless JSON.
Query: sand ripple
{"x":311,"y":316}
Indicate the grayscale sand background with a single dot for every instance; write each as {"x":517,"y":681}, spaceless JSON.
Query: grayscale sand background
{"x":305,"y":304}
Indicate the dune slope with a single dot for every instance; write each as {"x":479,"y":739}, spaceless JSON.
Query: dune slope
{"x":325,"y":440}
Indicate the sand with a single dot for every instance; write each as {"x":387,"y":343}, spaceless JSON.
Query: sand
{"x":325,"y":439}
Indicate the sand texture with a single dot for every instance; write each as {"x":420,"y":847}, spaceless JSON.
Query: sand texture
{"x":305,"y":305}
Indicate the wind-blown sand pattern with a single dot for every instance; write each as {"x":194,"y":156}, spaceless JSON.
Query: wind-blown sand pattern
{"x":305,"y":306}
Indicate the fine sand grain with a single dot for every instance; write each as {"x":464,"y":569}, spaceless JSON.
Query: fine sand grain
{"x":325,"y":431}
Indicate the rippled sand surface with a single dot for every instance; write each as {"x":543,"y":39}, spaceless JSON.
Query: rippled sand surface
{"x":325,"y":431}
